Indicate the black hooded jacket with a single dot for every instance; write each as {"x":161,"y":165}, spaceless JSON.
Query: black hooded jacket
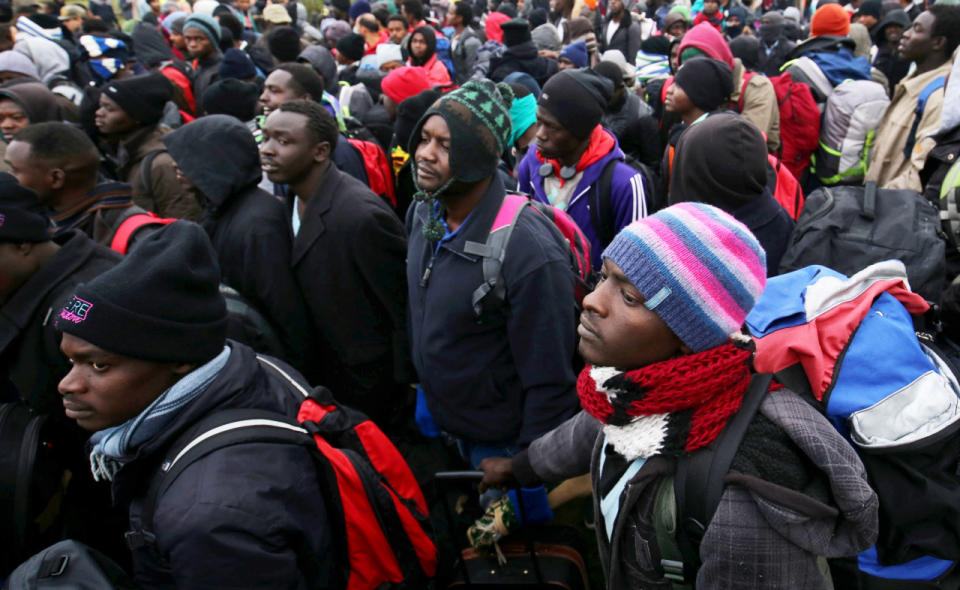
{"x":523,"y":57}
{"x":248,"y":226}
{"x":733,"y":179}
{"x":893,"y":66}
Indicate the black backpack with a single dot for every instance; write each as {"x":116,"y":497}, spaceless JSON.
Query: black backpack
{"x":848,"y":228}
{"x":30,"y":483}
{"x":69,"y":565}
{"x":601,"y":215}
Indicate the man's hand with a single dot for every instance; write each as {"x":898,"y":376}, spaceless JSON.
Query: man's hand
{"x":497,"y":473}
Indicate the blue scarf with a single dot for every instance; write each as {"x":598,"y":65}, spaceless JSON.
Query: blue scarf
{"x":112,"y":447}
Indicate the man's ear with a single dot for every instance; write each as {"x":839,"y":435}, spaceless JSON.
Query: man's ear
{"x":58,"y":178}
{"x":939,"y":43}
{"x":321,"y":151}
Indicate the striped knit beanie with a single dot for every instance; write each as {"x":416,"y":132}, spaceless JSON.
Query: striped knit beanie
{"x":698,"y":268}
{"x":478,"y":116}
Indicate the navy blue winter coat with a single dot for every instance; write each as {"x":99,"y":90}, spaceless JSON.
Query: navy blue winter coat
{"x":507,"y":376}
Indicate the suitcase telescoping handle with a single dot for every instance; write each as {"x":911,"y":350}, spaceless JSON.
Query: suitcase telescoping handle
{"x":444,"y":479}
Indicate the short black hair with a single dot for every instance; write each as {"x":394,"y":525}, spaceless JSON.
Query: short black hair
{"x":464,"y":11}
{"x":229,"y":21}
{"x":397,"y":17}
{"x":319,"y":122}
{"x":61,"y":143}
{"x":382,"y":14}
{"x":303,"y":80}
{"x":947,"y":25}
{"x":94,"y":25}
{"x":414,"y":7}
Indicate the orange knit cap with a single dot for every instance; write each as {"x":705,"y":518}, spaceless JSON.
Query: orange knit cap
{"x":830,"y":19}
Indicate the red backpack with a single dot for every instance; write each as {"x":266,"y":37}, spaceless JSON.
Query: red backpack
{"x":786,"y":189}
{"x":374,"y":505}
{"x":799,"y":121}
{"x":494,"y":250}
{"x":379,"y":174}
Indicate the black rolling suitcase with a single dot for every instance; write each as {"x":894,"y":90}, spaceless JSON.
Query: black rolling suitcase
{"x":538,"y":557}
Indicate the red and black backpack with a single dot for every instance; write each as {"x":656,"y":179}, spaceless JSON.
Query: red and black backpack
{"x":374,"y":505}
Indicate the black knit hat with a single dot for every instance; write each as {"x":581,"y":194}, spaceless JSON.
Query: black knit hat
{"x":351,"y":46}
{"x":707,"y":82}
{"x":284,"y":44}
{"x":236,"y":64}
{"x":727,"y":178}
{"x":141,"y":97}
{"x":515,"y":32}
{"x":161,"y":303}
{"x":21,"y":215}
{"x":578,"y":99}
{"x":231,"y":97}
{"x":478,"y":116}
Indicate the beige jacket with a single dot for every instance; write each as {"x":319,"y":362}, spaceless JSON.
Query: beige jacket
{"x":889,"y":168}
{"x":760,"y":105}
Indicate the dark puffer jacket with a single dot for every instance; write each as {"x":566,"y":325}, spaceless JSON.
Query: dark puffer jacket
{"x":246,"y":516}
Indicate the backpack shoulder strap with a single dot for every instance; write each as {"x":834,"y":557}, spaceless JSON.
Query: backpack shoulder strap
{"x":494,"y":249}
{"x":746,"y":80}
{"x":217,"y":431}
{"x":928,"y":90}
{"x":601,"y":214}
{"x":129,"y":226}
{"x":698,"y":483}
{"x":146,"y":171}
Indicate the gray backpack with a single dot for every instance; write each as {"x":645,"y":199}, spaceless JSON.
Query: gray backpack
{"x":806,"y":70}
{"x":848,"y":228}
{"x":850,"y":120}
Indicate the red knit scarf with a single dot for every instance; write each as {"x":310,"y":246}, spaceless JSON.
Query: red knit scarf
{"x":669,"y":407}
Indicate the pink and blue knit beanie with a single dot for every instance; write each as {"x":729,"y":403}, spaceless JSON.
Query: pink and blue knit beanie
{"x":698,"y":268}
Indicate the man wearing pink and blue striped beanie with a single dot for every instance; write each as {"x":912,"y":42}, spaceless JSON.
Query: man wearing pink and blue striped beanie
{"x":699,"y":269}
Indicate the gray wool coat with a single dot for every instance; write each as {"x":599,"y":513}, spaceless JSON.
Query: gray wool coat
{"x":762,"y":536}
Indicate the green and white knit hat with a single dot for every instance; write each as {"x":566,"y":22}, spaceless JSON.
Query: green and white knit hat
{"x":478,"y":116}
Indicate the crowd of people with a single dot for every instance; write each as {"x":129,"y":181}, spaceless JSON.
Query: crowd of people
{"x":188,"y":186}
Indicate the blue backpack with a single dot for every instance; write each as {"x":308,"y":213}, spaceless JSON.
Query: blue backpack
{"x":850,"y":346}
{"x":444,"y":55}
{"x":841,"y":65}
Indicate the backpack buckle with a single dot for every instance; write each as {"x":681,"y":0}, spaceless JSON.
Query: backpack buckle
{"x":672,"y":570}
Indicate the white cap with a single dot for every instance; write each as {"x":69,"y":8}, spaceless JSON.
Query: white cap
{"x":388,"y":52}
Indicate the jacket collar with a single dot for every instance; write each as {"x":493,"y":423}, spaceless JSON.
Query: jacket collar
{"x":478,"y":223}
{"x":311,"y":224}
